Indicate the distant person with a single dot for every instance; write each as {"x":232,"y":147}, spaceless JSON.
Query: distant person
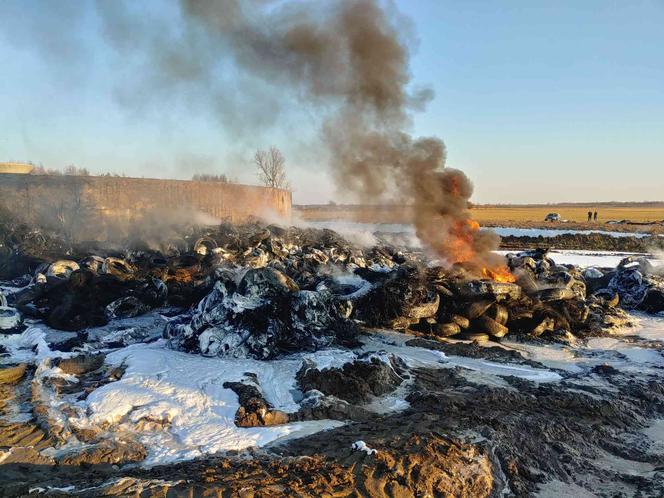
{"x":595,"y":216}
{"x":590,"y":216}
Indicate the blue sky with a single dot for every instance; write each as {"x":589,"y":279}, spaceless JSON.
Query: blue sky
{"x":536,"y":101}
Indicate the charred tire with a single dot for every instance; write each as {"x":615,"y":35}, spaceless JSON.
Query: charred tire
{"x":557,"y":294}
{"x":491,"y":327}
{"x":93,"y":263}
{"x":11,"y":321}
{"x":498,"y":313}
{"x":205,"y":246}
{"x":476,"y":309}
{"x":62,"y":268}
{"x":461,"y":321}
{"x":125,"y":307}
{"x":446,"y":329}
{"x":119,"y":268}
{"x":185,"y":262}
{"x":474,"y":336}
{"x":159,"y":262}
{"x":425,"y":310}
{"x":546,"y":325}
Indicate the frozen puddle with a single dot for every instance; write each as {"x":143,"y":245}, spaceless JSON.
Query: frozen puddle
{"x":618,"y":350}
{"x":351,"y":227}
{"x":416,"y":357}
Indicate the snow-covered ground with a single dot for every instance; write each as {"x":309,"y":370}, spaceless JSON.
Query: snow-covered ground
{"x":416,"y":357}
{"x":600,"y":259}
{"x":626,"y":355}
{"x":552,"y":232}
{"x":185,"y":394}
{"x":350,"y":228}
{"x":176,"y":405}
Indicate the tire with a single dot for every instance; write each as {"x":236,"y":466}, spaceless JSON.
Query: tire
{"x":474,"y":337}
{"x":547,"y":324}
{"x":498,"y":313}
{"x":205,"y":246}
{"x":446,"y":329}
{"x":476,"y":309}
{"x":461,"y":321}
{"x":81,"y":364}
{"x":11,"y":320}
{"x":556,"y":294}
{"x":490,"y":326}
{"x":62,"y":268}
{"x":117,"y":267}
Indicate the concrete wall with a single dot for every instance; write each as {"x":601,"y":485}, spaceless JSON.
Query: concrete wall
{"x":128,"y":198}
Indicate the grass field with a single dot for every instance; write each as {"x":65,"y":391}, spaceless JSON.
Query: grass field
{"x":576,"y":215}
{"x":500,"y":214}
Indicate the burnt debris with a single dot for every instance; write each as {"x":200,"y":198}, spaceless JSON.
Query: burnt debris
{"x":261,"y":291}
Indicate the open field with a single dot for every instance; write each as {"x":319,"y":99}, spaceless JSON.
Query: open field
{"x":574,"y":213}
{"x":643,"y":216}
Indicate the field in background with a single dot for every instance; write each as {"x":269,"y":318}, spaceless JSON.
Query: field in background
{"x":574,"y":213}
{"x":526,"y":216}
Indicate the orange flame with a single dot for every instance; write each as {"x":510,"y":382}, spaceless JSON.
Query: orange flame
{"x":462,"y":248}
{"x":499,"y":274}
{"x":473,"y":225}
{"x":462,"y":237}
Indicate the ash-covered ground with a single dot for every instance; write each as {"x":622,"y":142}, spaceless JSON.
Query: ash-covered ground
{"x":265,"y":361}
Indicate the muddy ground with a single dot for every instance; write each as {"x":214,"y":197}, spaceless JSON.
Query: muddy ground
{"x":591,"y":241}
{"x":464,"y":434}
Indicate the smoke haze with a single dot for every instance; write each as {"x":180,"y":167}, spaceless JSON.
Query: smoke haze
{"x":345,"y":61}
{"x":350,"y":59}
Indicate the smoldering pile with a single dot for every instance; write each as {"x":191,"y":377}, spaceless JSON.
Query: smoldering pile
{"x":548,"y":301}
{"x":261,"y":291}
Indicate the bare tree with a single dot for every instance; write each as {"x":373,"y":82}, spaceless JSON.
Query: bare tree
{"x":66,"y":210}
{"x":271,"y":168}
{"x":72,"y":170}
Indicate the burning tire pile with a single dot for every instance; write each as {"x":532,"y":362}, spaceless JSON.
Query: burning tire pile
{"x":260,"y":291}
{"x":263,"y":293}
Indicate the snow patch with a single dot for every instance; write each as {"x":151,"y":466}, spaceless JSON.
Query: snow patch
{"x":416,"y":357}
{"x":182,"y":398}
{"x":28,"y":346}
{"x":586,"y":259}
{"x":362,"y":446}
